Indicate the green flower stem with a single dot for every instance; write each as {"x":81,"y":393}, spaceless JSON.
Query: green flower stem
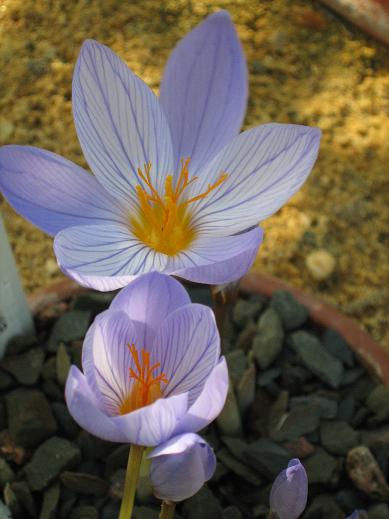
{"x":133,"y":468}
{"x":167,"y":510}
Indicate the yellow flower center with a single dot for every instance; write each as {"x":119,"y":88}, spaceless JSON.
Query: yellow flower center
{"x":147,"y":387}
{"x":165,"y":223}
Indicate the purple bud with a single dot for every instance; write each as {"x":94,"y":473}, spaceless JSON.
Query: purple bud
{"x":289,"y":493}
{"x":180,"y":467}
{"x":358,"y":514}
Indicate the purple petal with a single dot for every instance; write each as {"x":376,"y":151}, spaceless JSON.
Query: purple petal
{"x":155,"y":423}
{"x":221,"y":259}
{"x":180,"y":467}
{"x":106,"y":359}
{"x":104,"y":257}
{"x":101,"y":283}
{"x":265,"y":167}
{"x":187,"y":346}
{"x":149,"y":300}
{"x":204,"y":90}
{"x":289,"y":493}
{"x":209,"y":403}
{"x":84,"y":409}
{"x":119,"y":122}
{"x":107,"y":257}
{"x":52,"y":192}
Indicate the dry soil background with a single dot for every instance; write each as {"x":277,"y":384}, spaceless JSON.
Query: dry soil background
{"x":306,"y":66}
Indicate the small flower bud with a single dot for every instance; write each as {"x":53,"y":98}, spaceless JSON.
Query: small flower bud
{"x":180,"y":467}
{"x":289,"y":493}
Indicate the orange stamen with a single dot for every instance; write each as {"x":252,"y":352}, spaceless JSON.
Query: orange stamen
{"x":165,"y":223}
{"x":147,"y":387}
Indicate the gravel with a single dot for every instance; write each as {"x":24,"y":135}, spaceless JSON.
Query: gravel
{"x":295,"y":392}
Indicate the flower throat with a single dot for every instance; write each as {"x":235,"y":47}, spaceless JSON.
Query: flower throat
{"x":147,"y":386}
{"x":165,"y":223}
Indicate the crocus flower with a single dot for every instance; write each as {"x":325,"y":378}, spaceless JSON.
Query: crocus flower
{"x":358,"y":514}
{"x":180,"y":467}
{"x":175,"y":188}
{"x":151,"y":366}
{"x":289,"y":493}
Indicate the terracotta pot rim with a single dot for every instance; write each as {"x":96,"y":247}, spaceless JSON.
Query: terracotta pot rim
{"x":371,"y":354}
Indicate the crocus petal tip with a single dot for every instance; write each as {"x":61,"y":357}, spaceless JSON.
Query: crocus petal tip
{"x":89,"y":43}
{"x":221,"y":15}
{"x":181,"y":466}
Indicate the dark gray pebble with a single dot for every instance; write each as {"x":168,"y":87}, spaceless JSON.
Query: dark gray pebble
{"x":26,"y":367}
{"x":244,"y":311}
{"x":49,"y":460}
{"x":30,"y":418}
{"x":338,"y":347}
{"x":202,"y":505}
{"x":94,"y":448}
{"x":379,"y":511}
{"x":50,"y":503}
{"x":268,"y":376}
{"x":316,"y":358}
{"x":301,"y":420}
{"x":346,"y":409}
{"x":82,"y":483}
{"x":328,"y":406}
{"x":338,"y":437}
{"x":323,"y":506}
{"x":95,"y":302}
{"x":349,"y":500}
{"x":293,"y":314}
{"x":65,"y":421}
{"x":20,"y":344}
{"x":267,"y":343}
{"x":6,"y":473}
{"x":232,"y":512}
{"x":84,"y":512}
{"x":266,"y":457}
{"x":378,"y":403}
{"x":69,"y":327}
{"x":320,"y":467}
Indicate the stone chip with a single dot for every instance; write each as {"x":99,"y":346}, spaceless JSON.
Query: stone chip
{"x":316,"y":358}
{"x":267,"y":343}
{"x":338,"y":437}
{"x":86,"y":484}
{"x":26,"y":367}
{"x":30,"y":418}
{"x":49,"y":460}
{"x":293,"y":314}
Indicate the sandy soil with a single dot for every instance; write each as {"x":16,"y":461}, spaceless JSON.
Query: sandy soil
{"x":306,"y":66}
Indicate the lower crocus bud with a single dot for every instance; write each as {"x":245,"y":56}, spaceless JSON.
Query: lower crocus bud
{"x":289,"y":493}
{"x":180,"y":467}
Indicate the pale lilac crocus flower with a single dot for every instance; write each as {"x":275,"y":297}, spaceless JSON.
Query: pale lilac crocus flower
{"x":151,"y":366}
{"x":358,"y":514}
{"x":289,"y":493}
{"x":180,"y":467}
{"x":175,"y":188}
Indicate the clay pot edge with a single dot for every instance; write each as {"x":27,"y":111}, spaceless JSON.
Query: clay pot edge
{"x":370,"y":353}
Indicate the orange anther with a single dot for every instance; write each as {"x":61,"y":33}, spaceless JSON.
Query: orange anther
{"x":164,"y":222}
{"x":144,"y":374}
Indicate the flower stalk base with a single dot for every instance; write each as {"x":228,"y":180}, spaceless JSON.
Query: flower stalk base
{"x":167,"y":510}
{"x":133,"y":468}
